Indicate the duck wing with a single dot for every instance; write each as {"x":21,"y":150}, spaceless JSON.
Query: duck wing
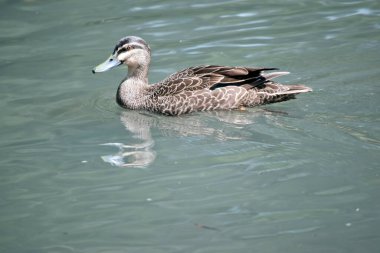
{"x":211,"y":77}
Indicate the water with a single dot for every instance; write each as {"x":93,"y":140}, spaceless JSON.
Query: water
{"x":80,"y":174}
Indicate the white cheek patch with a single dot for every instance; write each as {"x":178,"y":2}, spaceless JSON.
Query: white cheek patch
{"x":123,"y":56}
{"x":126,"y":56}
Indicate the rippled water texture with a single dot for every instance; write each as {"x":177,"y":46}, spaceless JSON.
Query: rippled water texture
{"x":80,"y":174}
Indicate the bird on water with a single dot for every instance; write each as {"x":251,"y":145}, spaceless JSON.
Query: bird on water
{"x":200,"y":88}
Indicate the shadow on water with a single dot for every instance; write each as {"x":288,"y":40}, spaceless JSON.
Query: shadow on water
{"x":140,"y":124}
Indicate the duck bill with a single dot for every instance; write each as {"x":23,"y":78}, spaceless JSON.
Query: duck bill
{"x":108,"y":64}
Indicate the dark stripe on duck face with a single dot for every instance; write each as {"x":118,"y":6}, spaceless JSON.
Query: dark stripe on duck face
{"x":131,"y":39}
{"x":128,"y":48}
{"x":122,"y":50}
{"x":121,"y":43}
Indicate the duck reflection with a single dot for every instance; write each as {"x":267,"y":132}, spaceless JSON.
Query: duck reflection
{"x":137,"y":155}
{"x":142,"y":154}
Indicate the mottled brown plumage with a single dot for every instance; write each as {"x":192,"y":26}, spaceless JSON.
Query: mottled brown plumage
{"x":198,"y":88}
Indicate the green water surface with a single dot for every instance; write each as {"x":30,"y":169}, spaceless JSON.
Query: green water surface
{"x":80,"y":174}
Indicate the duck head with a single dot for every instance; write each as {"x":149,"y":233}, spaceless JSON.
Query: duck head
{"x":132,"y":51}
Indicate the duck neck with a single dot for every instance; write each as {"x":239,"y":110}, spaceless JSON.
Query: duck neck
{"x":131,"y":91}
{"x":139,"y":72}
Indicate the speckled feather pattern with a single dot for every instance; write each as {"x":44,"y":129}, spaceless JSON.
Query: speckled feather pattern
{"x":201,"y":88}
{"x":205,"y":88}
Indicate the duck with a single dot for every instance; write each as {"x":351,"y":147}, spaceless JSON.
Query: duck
{"x":198,"y":88}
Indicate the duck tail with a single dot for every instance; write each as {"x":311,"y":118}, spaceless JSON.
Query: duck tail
{"x":272,"y":75}
{"x":274,"y":92}
{"x":289,"y":89}
{"x":296,"y":89}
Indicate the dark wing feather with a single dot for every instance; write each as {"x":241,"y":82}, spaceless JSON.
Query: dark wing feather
{"x":211,"y":77}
